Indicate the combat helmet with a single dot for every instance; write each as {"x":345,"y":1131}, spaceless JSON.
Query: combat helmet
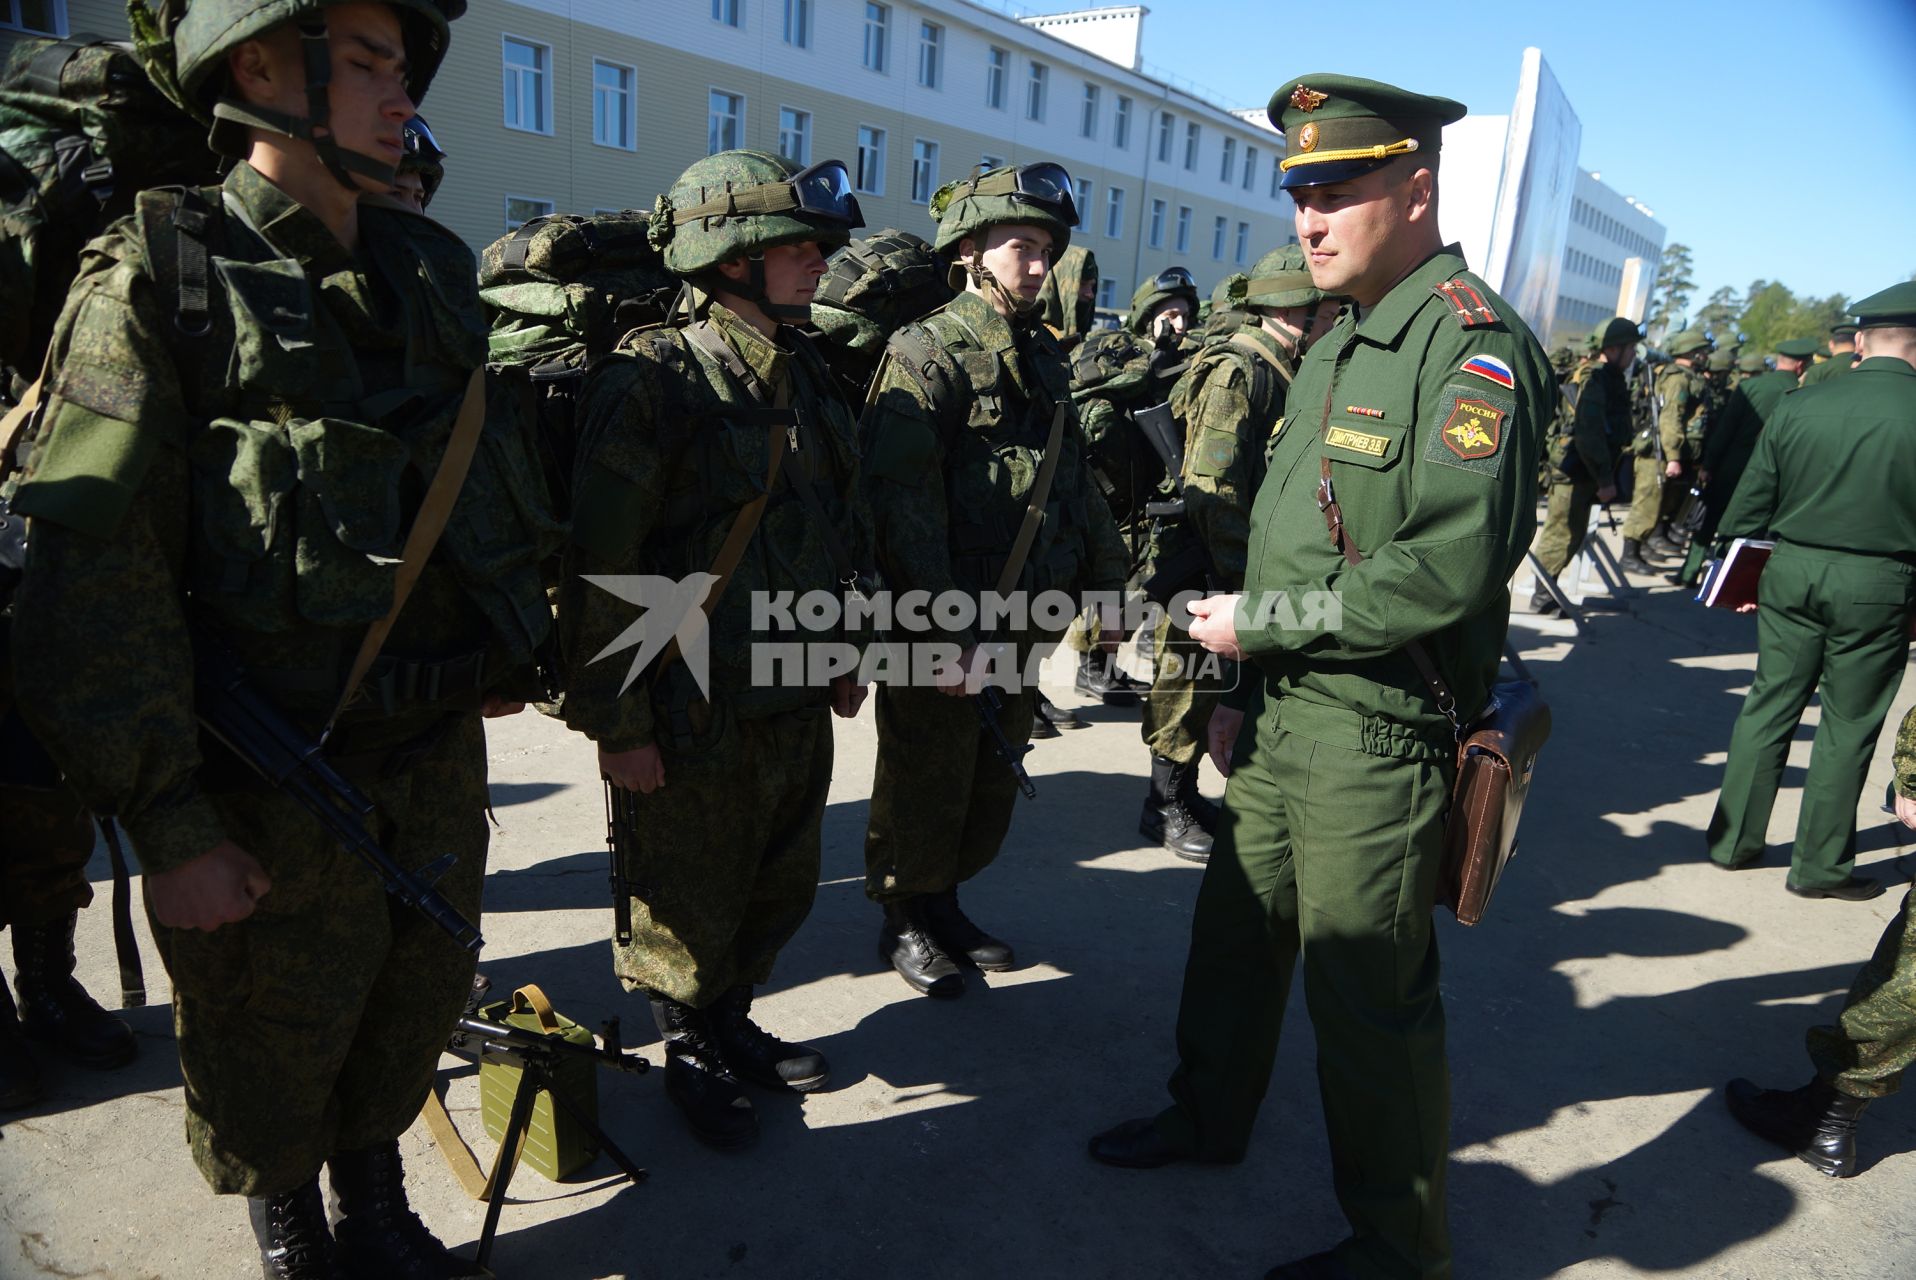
{"x":1617,"y":331}
{"x":1172,"y":282}
{"x":425,"y":157}
{"x":1038,"y":195}
{"x":738,"y":204}
{"x":201,"y":33}
{"x":1280,"y":279}
{"x":1689,"y":342}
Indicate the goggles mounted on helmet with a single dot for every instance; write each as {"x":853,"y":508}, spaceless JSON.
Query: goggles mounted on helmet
{"x":1046,"y":184}
{"x":822,"y":192}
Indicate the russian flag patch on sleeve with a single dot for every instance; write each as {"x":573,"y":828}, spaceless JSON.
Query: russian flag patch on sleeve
{"x":1492,"y":368}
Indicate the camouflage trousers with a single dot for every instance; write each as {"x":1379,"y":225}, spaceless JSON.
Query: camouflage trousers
{"x":46,"y":838}
{"x":728,"y":852}
{"x":941,"y":798}
{"x":1874,"y":1040}
{"x":1185,"y":687}
{"x":315,"y":1025}
{"x":1565,"y":524}
{"x":1646,"y":498}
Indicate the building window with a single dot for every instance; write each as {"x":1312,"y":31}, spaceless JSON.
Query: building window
{"x":1108,"y":293}
{"x":1121,"y":124}
{"x":997,"y":70}
{"x":1193,"y":132}
{"x":528,"y":85}
{"x":1217,"y":237}
{"x":1184,"y":228}
{"x":523,"y":209}
{"x":1082,"y":198}
{"x":725,"y":122}
{"x":1277,"y":180}
{"x":726,"y":11}
{"x":1034,"y":91}
{"x":877,"y":36}
{"x":1088,"y":113}
{"x":40,"y":17}
{"x":931,"y":55}
{"x":1156,"y":238}
{"x":1114,"y":212}
{"x":798,"y":23}
{"x":924,"y":170}
{"x":1250,"y":167}
{"x":795,"y":135}
{"x":1243,"y":242}
{"x":1166,"y":127}
{"x":612,"y":119}
{"x":871,"y":160}
{"x":1228,"y":169}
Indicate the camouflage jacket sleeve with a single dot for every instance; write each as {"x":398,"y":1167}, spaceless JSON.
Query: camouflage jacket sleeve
{"x":1221,"y":464}
{"x":619,"y":489}
{"x":1107,"y":561}
{"x":1681,"y":420}
{"x":1905,"y":757}
{"x":904,"y":457}
{"x":102,"y":658}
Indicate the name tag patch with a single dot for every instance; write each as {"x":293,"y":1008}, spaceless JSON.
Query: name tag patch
{"x":1357,"y":441}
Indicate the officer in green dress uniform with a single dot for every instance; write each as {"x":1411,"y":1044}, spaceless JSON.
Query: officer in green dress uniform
{"x":1585,"y":467}
{"x":1833,"y":480}
{"x":1841,"y":359}
{"x":1425,"y":403}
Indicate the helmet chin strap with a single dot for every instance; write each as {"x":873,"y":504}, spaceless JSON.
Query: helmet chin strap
{"x":315,"y":126}
{"x":1020,"y":311}
{"x":752,"y":290}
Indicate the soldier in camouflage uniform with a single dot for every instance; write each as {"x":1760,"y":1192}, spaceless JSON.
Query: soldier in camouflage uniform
{"x":1862,"y":1056}
{"x":233,"y":455}
{"x":1224,"y":310}
{"x":1584,"y":468}
{"x":1164,"y":308}
{"x":1070,"y":297}
{"x":1665,"y":449}
{"x":1229,"y":400}
{"x":965,"y":409}
{"x":686,"y":430}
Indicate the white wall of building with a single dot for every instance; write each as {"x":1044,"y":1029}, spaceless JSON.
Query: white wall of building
{"x":1610,"y":260}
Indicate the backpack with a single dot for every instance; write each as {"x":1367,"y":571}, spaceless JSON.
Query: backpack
{"x":82,"y":132}
{"x":560,"y":292}
{"x":872,"y":288}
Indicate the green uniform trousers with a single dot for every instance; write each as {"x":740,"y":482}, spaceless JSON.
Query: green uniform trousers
{"x":46,"y":838}
{"x":1646,"y":498}
{"x":941,"y":798}
{"x":1874,"y":1039}
{"x":1565,"y":524}
{"x":315,"y":1025}
{"x":1830,"y":623}
{"x":728,"y":852}
{"x":1332,"y":853}
{"x":1185,"y":685}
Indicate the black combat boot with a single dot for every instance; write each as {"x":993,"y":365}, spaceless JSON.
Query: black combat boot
{"x":956,"y":935}
{"x":294,"y":1243}
{"x":756,"y":1054}
{"x":1660,"y":543}
{"x":1541,"y":601}
{"x":1051,"y":717}
{"x":19,"y":1069}
{"x":697,"y":1080}
{"x":378,"y":1233}
{"x":1632,"y":561}
{"x":906,"y":945}
{"x":1816,"y":1123}
{"x":56,"y":1009}
{"x":1167,"y":817}
{"x":1100,"y":676}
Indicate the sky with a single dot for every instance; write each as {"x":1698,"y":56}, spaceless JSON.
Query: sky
{"x":1777,"y":141}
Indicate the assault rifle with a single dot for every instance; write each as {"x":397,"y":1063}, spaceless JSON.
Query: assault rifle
{"x":621,"y":818}
{"x":989,"y":706}
{"x":295,"y":764}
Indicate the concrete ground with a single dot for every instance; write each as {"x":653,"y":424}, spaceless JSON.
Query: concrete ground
{"x":1619,"y":981}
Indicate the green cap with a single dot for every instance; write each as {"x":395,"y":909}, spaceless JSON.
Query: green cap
{"x":1339,"y":127}
{"x":1797,"y":348}
{"x":1280,"y":279}
{"x":1618,"y":331}
{"x":1895,"y":305}
{"x":1842,"y":331}
{"x":1689,"y":342}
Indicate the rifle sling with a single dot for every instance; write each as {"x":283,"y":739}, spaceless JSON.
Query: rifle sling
{"x":1034,"y":505}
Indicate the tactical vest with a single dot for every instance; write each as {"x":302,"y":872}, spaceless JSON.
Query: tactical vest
{"x":311,"y":454}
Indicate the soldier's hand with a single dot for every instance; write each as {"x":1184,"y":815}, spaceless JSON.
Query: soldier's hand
{"x":1220,"y":737}
{"x":847,"y":696}
{"x":1673,"y":469}
{"x":961,"y":677}
{"x":221,"y":886}
{"x":641,"y":769}
{"x":1906,"y":811}
{"x":1606,"y":495}
{"x":1214,"y":625}
{"x":496,"y":706}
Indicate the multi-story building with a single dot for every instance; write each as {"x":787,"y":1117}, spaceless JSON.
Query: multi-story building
{"x":1610,"y":259}
{"x":583,"y":105}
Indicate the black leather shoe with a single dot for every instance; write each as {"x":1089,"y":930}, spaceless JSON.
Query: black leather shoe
{"x":294,"y":1243}
{"x":956,"y":935}
{"x":19,"y":1069}
{"x":1100,"y":677}
{"x":759,"y":1056}
{"x":1168,"y":818}
{"x":1632,"y":561}
{"x":1135,"y":1144}
{"x":1319,"y":1266}
{"x":1854,"y":889}
{"x":1816,"y":1123}
{"x":907,"y":946}
{"x":55,"y":1009}
{"x":1060,"y":717}
{"x":698,"y":1081}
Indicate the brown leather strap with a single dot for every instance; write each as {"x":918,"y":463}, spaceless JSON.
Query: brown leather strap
{"x":1244,"y":342}
{"x":1034,"y":505}
{"x":459,"y":1157}
{"x":13,"y":427}
{"x":434,"y":512}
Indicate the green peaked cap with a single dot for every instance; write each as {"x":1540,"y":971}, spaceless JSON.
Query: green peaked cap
{"x":1339,"y":127}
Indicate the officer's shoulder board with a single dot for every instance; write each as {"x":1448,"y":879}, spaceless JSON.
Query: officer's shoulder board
{"x":1468,"y":305}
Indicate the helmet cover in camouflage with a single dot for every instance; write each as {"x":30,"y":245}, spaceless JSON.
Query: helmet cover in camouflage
{"x":1280,"y":279}
{"x":1228,"y":293}
{"x":876,"y":285}
{"x":736,"y":204}
{"x":1752,"y":362}
{"x":998,"y":197}
{"x":1060,"y":300}
{"x":1172,"y":282}
{"x":1689,"y":342}
{"x":1723,"y":361}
